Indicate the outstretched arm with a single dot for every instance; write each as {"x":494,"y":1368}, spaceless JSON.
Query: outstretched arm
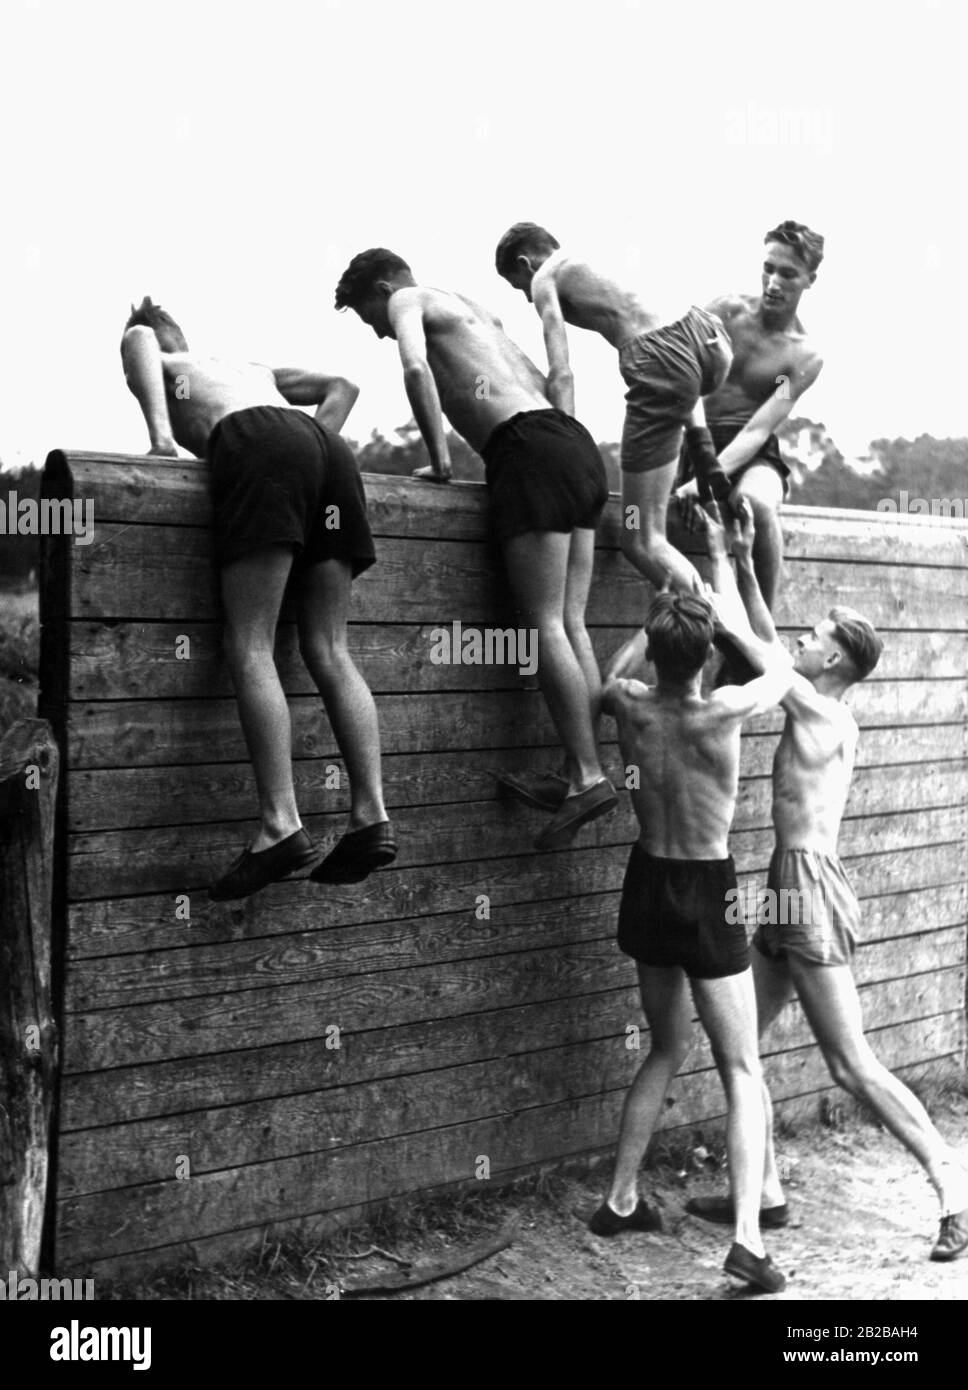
{"x":765,"y":649}
{"x":561,"y":381}
{"x":761,"y":619}
{"x":757,"y":695}
{"x":621,"y":665}
{"x":770,"y":415}
{"x":334,"y":396}
{"x":731,"y":613}
{"x":406,"y":316}
{"x":144,"y":373}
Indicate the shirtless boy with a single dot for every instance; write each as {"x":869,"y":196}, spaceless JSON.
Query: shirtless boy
{"x":673,"y":917}
{"x":547,"y":489}
{"x":669,"y":362}
{"x":811,"y":779}
{"x":287,"y":498}
{"x":774,"y":362}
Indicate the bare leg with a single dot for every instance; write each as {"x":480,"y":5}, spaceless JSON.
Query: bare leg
{"x":829,"y":998}
{"x":727,"y":1010}
{"x":324,"y":600}
{"x":644,"y":529}
{"x":252,"y":590}
{"x":762,"y":487}
{"x":774,"y":989}
{"x":665,"y":1000}
{"x":581,"y":564}
{"x":537,"y":566}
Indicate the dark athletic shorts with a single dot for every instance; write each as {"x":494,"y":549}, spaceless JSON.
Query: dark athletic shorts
{"x":544,"y":473}
{"x":810,"y":910}
{"x":674,"y":912}
{"x":278,"y":478}
{"x":666,"y":372}
{"x":724,"y":432}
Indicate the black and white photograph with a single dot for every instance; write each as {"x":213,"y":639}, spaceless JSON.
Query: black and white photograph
{"x":484,"y":666}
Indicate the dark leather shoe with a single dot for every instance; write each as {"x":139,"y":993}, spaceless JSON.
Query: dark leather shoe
{"x":606,"y":1222}
{"x":760,"y":1271}
{"x":721,"y":1210}
{"x":254,"y":870}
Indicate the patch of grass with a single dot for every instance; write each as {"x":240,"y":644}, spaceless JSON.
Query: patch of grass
{"x":19,"y":656}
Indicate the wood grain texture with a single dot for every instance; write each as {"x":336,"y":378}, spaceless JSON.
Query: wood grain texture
{"x":207,"y":1202}
{"x":205,"y":1029}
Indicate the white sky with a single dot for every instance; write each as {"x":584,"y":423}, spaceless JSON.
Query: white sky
{"x":229,"y":158}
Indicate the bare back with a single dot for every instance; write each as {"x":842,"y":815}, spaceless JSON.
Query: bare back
{"x":592,"y":300}
{"x":202,"y":390}
{"x":482,"y":377}
{"x":812,"y":769}
{"x":763,"y":359}
{"x":686,"y":750}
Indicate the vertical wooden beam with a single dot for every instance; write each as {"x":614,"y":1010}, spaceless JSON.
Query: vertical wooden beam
{"x":28,"y":1036}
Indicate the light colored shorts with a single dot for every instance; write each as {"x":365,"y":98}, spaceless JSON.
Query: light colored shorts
{"x":809,"y":910}
{"x":666,"y":371}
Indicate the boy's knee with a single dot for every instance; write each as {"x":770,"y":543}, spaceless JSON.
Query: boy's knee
{"x":741,"y":1066}
{"x":671,"y":1052}
{"x":764,"y":499}
{"x":575,"y":629}
{"x":640,"y":544}
{"x":321,"y":648}
{"x":241,"y":648}
{"x":855,"y":1075}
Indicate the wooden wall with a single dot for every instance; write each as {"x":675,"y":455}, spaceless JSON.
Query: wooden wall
{"x":210,"y":1039}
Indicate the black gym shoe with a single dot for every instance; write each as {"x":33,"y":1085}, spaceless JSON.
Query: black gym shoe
{"x":254,"y":870}
{"x":759,"y":1271}
{"x":721,"y":1210}
{"x":953,"y":1237}
{"x":606,"y":1222}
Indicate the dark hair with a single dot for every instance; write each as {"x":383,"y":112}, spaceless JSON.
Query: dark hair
{"x":679,"y":628}
{"x":857,"y":637}
{"x":149,"y":315}
{"x":362,"y":273}
{"x":797,"y":235}
{"x":523,"y":239}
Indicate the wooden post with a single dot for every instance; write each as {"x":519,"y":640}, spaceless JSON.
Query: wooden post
{"x":28,"y":1036}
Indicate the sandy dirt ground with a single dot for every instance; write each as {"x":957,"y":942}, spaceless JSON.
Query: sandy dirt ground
{"x":863,"y":1220}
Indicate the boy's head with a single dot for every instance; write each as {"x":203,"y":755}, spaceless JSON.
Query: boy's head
{"x":166,"y":330}
{"x":521,"y":251}
{"x":367,"y":284}
{"x":679,"y":628}
{"x":844,"y":643}
{"x":793,"y":253}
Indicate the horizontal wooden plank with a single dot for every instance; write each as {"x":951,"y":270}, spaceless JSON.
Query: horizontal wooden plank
{"x":114,"y":863}
{"x":126,"y":798}
{"x":308,"y":1002}
{"x":113,"y":926}
{"x":144,"y":733}
{"x":140,"y":1091}
{"x":128,"y":661}
{"x":334,"y":953}
{"x":98,"y":1225}
{"x":132,"y":490}
{"x":165,"y":572}
{"x":230,"y":1136}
